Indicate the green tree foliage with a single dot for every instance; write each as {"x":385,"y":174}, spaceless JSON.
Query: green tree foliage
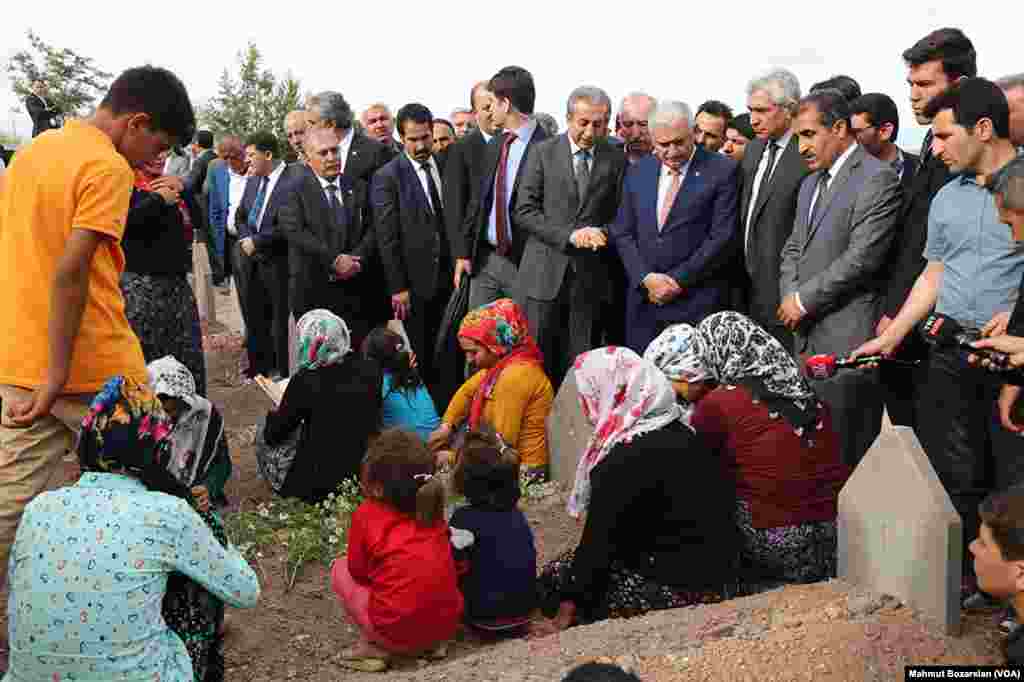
{"x":74,"y":82}
{"x":254,"y":99}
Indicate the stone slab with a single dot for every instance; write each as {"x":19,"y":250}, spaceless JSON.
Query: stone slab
{"x":568,"y":432}
{"x":203,"y":283}
{"x":899,"y":533}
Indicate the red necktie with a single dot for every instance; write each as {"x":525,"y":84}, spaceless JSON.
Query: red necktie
{"x":501,"y":198}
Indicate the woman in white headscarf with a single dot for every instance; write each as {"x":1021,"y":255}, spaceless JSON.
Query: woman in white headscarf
{"x":334,"y":398}
{"x":199,"y":449}
{"x":659,"y":531}
{"x":746,"y":397}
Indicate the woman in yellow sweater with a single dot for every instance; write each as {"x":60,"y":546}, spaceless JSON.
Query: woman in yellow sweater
{"x":510,"y":392}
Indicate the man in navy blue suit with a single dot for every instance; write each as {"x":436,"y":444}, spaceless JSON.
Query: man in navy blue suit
{"x":264,"y":255}
{"x":675,"y":224}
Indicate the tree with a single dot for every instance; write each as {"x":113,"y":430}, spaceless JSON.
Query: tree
{"x":74,"y":82}
{"x":253,"y":100}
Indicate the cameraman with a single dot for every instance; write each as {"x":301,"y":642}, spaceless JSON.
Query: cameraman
{"x":973,"y":271}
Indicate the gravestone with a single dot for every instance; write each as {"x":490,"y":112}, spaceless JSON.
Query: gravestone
{"x":202,"y":283}
{"x":568,"y":432}
{"x":899,"y":533}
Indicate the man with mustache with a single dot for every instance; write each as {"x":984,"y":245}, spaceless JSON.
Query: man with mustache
{"x":410,"y":228}
{"x":634,"y":111}
{"x":563,"y":276}
{"x":846,"y":211}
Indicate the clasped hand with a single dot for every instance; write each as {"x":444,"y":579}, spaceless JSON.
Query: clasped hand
{"x":592,"y":238}
{"x":661,"y":289}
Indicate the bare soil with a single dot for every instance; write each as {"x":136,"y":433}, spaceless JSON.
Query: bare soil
{"x":825,"y":631}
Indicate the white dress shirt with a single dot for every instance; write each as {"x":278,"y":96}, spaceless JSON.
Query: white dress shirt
{"x":324,"y":182}
{"x":272,"y":179}
{"x":837,"y":166}
{"x":665,"y":182}
{"x":762,"y":167}
{"x":236,"y":188}
{"x":422,"y":176}
{"x":343,"y":147}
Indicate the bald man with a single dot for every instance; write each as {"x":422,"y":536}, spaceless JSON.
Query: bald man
{"x":295,"y":131}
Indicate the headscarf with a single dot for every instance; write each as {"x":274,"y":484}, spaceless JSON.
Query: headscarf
{"x":733,"y":350}
{"x":126,"y":428}
{"x":623,"y":396}
{"x":323,"y":340}
{"x":197,"y":432}
{"x":501,"y":328}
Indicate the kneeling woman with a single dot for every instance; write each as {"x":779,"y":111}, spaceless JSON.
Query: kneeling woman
{"x":745,"y":396}
{"x":333,"y":403}
{"x":510,"y":392}
{"x":90,"y":592}
{"x":659,"y":527}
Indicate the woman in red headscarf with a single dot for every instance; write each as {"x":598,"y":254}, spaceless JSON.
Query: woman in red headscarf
{"x":157,"y":243}
{"x":510,"y":392}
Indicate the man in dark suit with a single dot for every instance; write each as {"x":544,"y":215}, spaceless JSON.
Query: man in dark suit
{"x":846,"y":210}
{"x":42,"y":111}
{"x":362,"y":156}
{"x":569,"y":196}
{"x":330,"y":238}
{"x":875,"y":123}
{"x":203,"y":148}
{"x":463,"y":175}
{"x":675,"y":223}
{"x":772,"y":172}
{"x":408,"y":216}
{"x":494,"y":242}
{"x":379,"y":125}
{"x":934,"y":63}
{"x":265,"y":254}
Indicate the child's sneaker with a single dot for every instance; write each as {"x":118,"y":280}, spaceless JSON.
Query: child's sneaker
{"x":980,"y":601}
{"x":1009,"y":623}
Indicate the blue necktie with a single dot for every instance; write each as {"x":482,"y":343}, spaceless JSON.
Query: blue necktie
{"x":257,"y":206}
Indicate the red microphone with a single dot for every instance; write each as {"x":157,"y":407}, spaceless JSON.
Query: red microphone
{"x":826,"y":366}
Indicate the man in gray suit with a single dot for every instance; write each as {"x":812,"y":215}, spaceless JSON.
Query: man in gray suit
{"x":846,"y":213}
{"x":570,"y":194}
{"x":772,"y":172}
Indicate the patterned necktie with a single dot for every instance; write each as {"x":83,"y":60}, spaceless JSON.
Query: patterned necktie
{"x":822,"y":194}
{"x":501,"y":226}
{"x":773,"y":150}
{"x":582,"y":173}
{"x":670,"y":197}
{"x":257,"y":206}
{"x":926,"y":147}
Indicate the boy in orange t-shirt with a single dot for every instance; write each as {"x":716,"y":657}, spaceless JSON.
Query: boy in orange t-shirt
{"x":63,"y":206}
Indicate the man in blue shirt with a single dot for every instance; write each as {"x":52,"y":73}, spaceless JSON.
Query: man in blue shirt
{"x":973,"y":270}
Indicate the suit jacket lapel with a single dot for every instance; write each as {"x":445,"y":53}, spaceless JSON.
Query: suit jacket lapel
{"x":690,"y":183}
{"x":780,"y":167}
{"x":569,"y":169}
{"x":834,"y":188}
{"x":412,"y":177}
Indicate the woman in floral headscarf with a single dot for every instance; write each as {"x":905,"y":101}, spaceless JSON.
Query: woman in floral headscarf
{"x":746,"y":397}
{"x":141,"y":576}
{"x":334,"y":400}
{"x":659,"y":531}
{"x":510,"y":392}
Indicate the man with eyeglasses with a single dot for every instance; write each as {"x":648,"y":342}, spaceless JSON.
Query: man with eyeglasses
{"x":875,"y":123}
{"x":632,"y":125}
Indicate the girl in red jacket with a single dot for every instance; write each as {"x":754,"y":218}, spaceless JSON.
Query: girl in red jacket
{"x":398,"y":583}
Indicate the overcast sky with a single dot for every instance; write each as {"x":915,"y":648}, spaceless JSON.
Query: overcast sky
{"x":399,"y":52}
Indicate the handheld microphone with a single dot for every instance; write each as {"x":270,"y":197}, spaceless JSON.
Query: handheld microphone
{"x":825,"y":366}
{"x":943,"y":331}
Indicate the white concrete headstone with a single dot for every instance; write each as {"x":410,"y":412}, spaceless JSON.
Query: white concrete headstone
{"x":568,"y":432}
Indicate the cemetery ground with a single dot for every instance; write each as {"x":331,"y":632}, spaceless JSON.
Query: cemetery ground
{"x":825,"y":631}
